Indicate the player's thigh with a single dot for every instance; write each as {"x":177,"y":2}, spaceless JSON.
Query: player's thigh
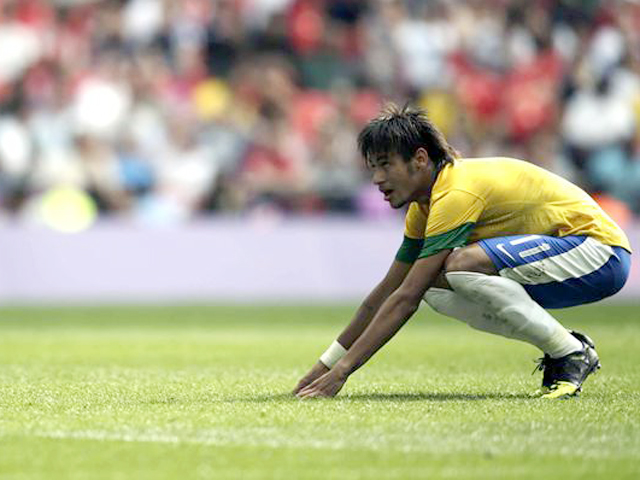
{"x":560,"y":271}
{"x":471,"y":258}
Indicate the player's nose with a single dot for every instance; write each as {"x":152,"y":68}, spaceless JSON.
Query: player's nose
{"x":378,"y":177}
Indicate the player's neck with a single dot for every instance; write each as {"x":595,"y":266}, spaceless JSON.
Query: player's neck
{"x":423,"y":195}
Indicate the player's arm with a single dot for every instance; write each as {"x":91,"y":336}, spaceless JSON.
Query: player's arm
{"x":390,"y":317}
{"x":410,"y":249}
{"x":451,"y":219}
{"x":363,"y":316}
{"x":371,"y":304}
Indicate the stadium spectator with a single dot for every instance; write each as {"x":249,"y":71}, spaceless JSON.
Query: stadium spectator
{"x":118,"y":76}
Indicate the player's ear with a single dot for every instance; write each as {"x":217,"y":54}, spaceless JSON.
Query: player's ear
{"x":421,"y":158}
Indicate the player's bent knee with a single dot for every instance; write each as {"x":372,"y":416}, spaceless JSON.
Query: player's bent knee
{"x":437,"y":299}
{"x":470,"y":259}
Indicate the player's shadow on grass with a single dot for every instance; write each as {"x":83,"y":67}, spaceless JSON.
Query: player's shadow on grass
{"x":432,"y":396}
{"x":390,"y":397}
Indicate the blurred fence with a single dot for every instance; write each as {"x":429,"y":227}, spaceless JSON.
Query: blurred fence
{"x":215,"y":260}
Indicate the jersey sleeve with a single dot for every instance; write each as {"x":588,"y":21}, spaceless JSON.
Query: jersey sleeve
{"x":415,"y":224}
{"x":451,"y":221}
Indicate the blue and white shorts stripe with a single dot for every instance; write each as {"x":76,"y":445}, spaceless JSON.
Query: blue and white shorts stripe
{"x":560,"y":272}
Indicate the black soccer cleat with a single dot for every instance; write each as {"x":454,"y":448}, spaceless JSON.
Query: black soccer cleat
{"x":563,"y":377}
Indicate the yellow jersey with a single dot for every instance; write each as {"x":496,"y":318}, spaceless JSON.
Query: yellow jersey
{"x":475,"y":199}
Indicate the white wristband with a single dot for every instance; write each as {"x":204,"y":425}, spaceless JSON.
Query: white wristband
{"x":334,"y":353}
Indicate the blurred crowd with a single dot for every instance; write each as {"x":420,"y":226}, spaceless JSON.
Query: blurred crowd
{"x":160,"y":111}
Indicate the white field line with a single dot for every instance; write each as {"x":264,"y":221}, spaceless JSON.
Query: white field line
{"x":274,"y":438}
{"x":220,"y":438}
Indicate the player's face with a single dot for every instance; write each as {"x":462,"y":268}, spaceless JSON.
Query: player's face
{"x":399,"y":181}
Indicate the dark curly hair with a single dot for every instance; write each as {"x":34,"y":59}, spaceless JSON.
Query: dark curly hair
{"x":403,"y":131}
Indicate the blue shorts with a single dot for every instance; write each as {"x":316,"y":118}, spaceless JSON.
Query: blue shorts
{"x":560,"y":272}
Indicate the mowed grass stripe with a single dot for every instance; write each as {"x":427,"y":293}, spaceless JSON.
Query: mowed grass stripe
{"x":211,"y":392}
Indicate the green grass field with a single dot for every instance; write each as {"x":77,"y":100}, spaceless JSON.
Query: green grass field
{"x":202,"y":392}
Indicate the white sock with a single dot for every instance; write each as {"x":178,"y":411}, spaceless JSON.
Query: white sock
{"x":514,"y":311}
{"x":456,"y":306}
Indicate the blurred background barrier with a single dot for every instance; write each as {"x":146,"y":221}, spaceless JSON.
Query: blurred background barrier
{"x":220,"y":260}
{"x":213,"y":260}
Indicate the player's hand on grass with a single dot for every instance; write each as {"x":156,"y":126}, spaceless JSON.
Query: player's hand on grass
{"x":327,"y":385}
{"x":316,"y":372}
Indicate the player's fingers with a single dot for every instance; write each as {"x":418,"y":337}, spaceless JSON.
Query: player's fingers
{"x":304,"y":382}
{"x":306,"y":391}
{"x":307,"y":380}
{"x":300,"y":389}
{"x":301,"y":384}
{"x":302,"y":393}
{"x":314,"y":393}
{"x":317,"y":385}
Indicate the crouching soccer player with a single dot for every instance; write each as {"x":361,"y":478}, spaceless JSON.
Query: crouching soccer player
{"x":492,"y":242}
